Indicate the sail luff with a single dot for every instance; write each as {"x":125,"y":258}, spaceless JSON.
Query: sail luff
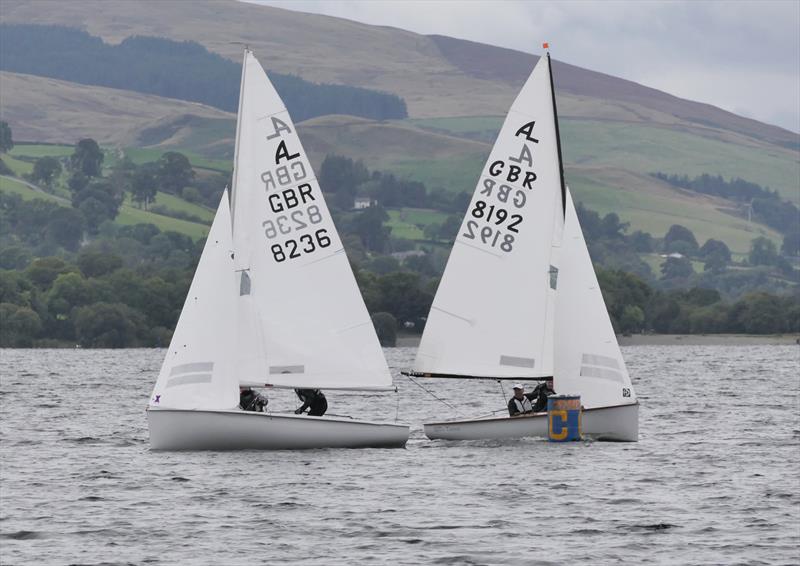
{"x":238,"y":132}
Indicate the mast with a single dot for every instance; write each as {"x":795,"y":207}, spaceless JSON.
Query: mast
{"x":558,"y":135}
{"x":238,"y":133}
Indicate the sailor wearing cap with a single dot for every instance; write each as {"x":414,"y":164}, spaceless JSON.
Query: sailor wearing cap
{"x":520,"y":403}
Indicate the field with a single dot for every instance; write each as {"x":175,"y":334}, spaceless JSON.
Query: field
{"x":16,"y":187}
{"x":141,"y":155}
{"x":177,"y":204}
{"x":35,"y":151}
{"x":18,"y":166}
{"x":482,"y":128}
{"x":409,"y":223}
{"x":131,"y":215}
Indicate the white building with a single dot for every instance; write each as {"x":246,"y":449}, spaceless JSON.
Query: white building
{"x":363,"y":202}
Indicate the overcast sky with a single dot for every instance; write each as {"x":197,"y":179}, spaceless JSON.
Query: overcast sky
{"x":739,"y":55}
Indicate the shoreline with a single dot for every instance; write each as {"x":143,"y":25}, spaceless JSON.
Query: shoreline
{"x":412,"y":340}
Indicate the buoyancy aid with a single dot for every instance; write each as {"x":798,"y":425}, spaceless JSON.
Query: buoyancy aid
{"x":523,"y":405}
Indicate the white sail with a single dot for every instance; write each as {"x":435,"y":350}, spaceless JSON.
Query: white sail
{"x":493,"y":312}
{"x":198,"y":371}
{"x":302,"y":321}
{"x":588,"y":360}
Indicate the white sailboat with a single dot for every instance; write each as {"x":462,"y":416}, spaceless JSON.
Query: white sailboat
{"x":273,"y":303}
{"x":519,"y":298}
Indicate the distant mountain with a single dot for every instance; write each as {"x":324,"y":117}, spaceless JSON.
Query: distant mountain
{"x":477,"y":79}
{"x":176,"y":69}
{"x":615,"y":132}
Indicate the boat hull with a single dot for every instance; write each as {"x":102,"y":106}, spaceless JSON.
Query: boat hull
{"x":620,"y":424}
{"x":173,"y":429}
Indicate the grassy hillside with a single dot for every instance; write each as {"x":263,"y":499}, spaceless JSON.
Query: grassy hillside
{"x":652,"y":206}
{"x":614,"y":132}
{"x":645,"y":149}
{"x":19,"y":161}
{"x":49,"y":110}
{"x":22,"y":155}
{"x":607,"y":167}
{"x":128,"y":214}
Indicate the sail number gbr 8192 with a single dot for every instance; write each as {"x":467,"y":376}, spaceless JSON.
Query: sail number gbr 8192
{"x":293,"y":206}
{"x":495,"y":215}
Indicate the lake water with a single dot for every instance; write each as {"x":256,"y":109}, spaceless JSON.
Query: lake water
{"x":713,"y":480}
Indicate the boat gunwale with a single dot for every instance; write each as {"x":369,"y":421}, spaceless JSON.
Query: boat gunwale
{"x":250,"y":414}
{"x":520,"y":417}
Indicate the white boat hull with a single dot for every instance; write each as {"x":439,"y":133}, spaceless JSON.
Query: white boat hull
{"x":619,"y":424}
{"x":174,"y":429}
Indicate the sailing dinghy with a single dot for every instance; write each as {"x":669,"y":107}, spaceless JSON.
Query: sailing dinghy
{"x":519,"y":298}
{"x":273,"y":303}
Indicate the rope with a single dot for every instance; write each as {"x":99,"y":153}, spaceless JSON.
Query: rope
{"x":503,"y":391}
{"x":397,"y":408}
{"x":414,"y":381}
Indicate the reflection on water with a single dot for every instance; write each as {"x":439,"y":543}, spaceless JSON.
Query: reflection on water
{"x":713,"y":479}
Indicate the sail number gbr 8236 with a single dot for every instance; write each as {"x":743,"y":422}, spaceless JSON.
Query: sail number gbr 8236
{"x":293,"y":206}
{"x":495,"y":215}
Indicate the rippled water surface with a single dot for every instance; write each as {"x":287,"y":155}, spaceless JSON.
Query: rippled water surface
{"x":713,"y":480}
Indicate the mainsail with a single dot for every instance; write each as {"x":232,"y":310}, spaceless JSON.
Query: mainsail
{"x":493,"y":312}
{"x":302,"y":321}
{"x":197,"y":372}
{"x":588,"y":360}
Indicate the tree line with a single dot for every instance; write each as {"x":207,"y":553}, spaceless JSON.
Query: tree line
{"x":100,"y":299}
{"x":183,"y":70}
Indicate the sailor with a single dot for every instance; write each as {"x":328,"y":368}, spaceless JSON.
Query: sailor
{"x":314,"y":400}
{"x":520,"y":403}
{"x":249,"y":400}
{"x":540,"y":393}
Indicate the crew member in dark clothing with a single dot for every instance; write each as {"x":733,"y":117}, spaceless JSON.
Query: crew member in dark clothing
{"x":520,"y":403}
{"x":249,"y":400}
{"x":314,"y":400}
{"x":540,"y":393}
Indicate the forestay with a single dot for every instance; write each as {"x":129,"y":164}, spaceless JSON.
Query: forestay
{"x":302,"y":320}
{"x":588,"y":360}
{"x":493,"y":312}
{"x":198,"y":372}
